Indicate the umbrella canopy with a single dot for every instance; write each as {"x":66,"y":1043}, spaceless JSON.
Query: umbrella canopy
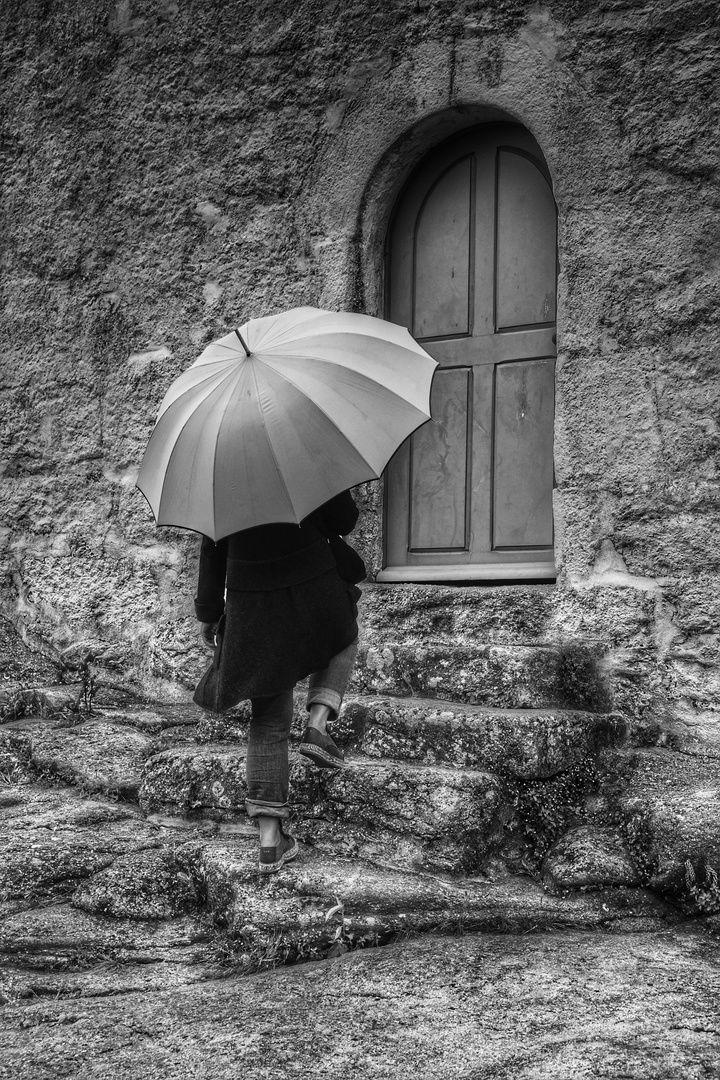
{"x":275,"y":418}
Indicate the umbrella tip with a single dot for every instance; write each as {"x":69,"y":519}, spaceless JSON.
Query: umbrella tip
{"x":242,"y":342}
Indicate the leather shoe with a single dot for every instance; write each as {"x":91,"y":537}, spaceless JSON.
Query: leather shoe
{"x":273,"y":858}
{"x":321,"y":749}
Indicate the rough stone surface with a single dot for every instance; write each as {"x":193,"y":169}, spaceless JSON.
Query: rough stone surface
{"x":530,"y":744}
{"x":156,"y":719}
{"x":525,"y":1006}
{"x":194,"y":778}
{"x":589,"y":858}
{"x":670,"y":808}
{"x":499,"y":676}
{"x":443,"y":817}
{"x":58,"y":936}
{"x":508,"y":615}
{"x":145,"y":885}
{"x":319,"y":899}
{"x":458,"y":816}
{"x":15,"y":750}
{"x":95,"y":754}
{"x":49,"y":702}
{"x":111,"y":924}
{"x":53,"y":839}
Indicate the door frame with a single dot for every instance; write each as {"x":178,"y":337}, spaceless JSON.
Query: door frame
{"x":498,"y":571}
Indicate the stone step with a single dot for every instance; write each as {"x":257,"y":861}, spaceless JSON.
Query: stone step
{"x":97,"y":755}
{"x":421,"y":816}
{"x":497,"y":676}
{"x":207,"y":780}
{"x":53,"y":839}
{"x":137,"y":891}
{"x":668,"y":807}
{"x":409,"y":813}
{"x":61,"y":937}
{"x":316,"y":900}
{"x":428,"y":814}
{"x":445,"y":796}
{"x":576,"y":622}
{"x":526,"y":743}
{"x":106,"y":752}
{"x":653,"y":820}
{"x":503,"y":614}
{"x":122,"y":921}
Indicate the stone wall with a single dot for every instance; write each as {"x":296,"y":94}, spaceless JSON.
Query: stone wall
{"x":172,"y":167}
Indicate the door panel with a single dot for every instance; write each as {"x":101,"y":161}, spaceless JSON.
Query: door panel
{"x":439,"y":457}
{"x":442,"y":257}
{"x":526,"y":227}
{"x":522,"y":475}
{"x":472,"y":265}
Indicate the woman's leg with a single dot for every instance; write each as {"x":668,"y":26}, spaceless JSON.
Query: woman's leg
{"x":325,"y":694}
{"x":266,"y":765}
{"x":327,"y":688}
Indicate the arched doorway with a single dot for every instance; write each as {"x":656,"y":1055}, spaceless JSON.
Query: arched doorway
{"x":472,"y":269}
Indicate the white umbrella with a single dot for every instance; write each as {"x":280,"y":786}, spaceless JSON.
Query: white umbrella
{"x":278,"y":416}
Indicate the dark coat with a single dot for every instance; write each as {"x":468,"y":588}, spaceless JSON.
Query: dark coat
{"x":286,"y":611}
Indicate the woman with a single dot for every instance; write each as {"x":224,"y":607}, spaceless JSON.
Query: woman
{"x":286,"y":614}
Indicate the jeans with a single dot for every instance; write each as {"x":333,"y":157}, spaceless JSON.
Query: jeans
{"x":267,"y":771}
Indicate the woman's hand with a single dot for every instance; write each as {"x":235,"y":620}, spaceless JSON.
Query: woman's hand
{"x":208,"y":630}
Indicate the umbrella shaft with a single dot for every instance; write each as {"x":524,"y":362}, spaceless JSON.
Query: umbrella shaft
{"x":243,"y":342}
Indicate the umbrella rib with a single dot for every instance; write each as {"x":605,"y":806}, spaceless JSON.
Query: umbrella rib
{"x":320,"y":360}
{"x":226,"y":405}
{"x":263,"y":334}
{"x":331,"y":421}
{"x":329,"y":360}
{"x":200,"y":388}
{"x":219,"y":359}
{"x":171,"y":457}
{"x":272,"y":448}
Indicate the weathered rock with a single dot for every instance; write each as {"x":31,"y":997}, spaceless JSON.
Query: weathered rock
{"x":529,"y":743}
{"x":22,"y":666}
{"x":526,"y":1005}
{"x":502,"y":615}
{"x":180,"y":966}
{"x":56,"y":701}
{"x":304,"y":905}
{"x":317,"y":899}
{"x":588,"y":858}
{"x":61,"y":936}
{"x":53,"y":839}
{"x":671,"y":813}
{"x":456,"y":815}
{"x":49,"y":702}
{"x":215,"y":728}
{"x":15,"y":752}
{"x":156,"y":719}
{"x":174,"y":737}
{"x":143,"y":885}
{"x":498,"y":676}
{"x":95,"y":754}
{"x":193,"y":779}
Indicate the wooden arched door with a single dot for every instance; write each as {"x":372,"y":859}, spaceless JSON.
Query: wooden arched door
{"x":472,"y":273}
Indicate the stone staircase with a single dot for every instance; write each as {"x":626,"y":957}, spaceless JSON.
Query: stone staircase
{"x":487,"y":787}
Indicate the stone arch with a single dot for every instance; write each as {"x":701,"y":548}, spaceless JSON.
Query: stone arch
{"x":390,"y":175}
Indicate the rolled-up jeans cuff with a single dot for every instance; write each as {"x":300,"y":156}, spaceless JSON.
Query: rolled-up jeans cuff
{"x":323,"y":695}
{"x":266,"y":809}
